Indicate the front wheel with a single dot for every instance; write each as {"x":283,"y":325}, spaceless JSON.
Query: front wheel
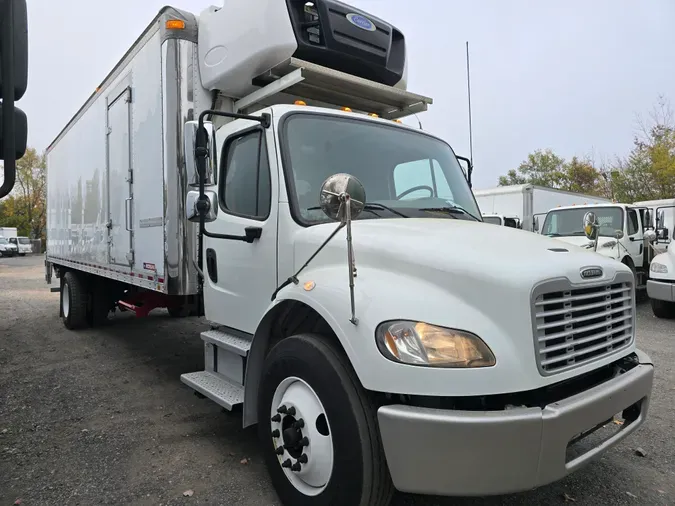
{"x":318,"y":427}
{"x":663,"y":308}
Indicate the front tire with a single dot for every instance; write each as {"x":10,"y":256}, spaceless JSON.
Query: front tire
{"x":334,"y":455}
{"x":663,"y":308}
{"x":73,"y":301}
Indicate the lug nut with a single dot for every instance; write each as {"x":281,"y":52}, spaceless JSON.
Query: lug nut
{"x":304,"y":441}
{"x":282,"y":409}
{"x":290,"y":411}
{"x":296,"y":467}
{"x":279,"y":451}
{"x":303,"y":458}
{"x":299,"y":424}
{"x":276,"y":418}
{"x":286,"y":463}
{"x":275,"y":433}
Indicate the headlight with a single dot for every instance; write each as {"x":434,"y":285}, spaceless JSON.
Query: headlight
{"x":657,"y":267}
{"x":419,"y":343}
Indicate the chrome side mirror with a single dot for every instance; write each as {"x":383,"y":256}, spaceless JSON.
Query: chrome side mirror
{"x":191,"y":206}
{"x":189,"y":142}
{"x":618,"y":235}
{"x":591,"y":226}
{"x":342,"y":197}
{"x":650,"y":235}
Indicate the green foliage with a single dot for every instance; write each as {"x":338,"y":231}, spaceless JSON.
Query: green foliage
{"x":545,"y":168}
{"x":646,"y":173}
{"x":25,"y":208}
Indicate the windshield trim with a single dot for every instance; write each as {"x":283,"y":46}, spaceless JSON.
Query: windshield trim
{"x":286,"y":163}
{"x":588,"y":209}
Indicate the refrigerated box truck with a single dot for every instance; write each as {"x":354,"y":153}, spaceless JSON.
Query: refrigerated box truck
{"x":248,"y":165}
{"x":528,"y":202}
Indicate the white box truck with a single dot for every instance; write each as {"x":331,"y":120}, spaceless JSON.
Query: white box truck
{"x":528,"y":202}
{"x":624,"y":234}
{"x":246,"y":165}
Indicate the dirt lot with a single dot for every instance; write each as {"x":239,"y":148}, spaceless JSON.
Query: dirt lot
{"x":101,"y":417}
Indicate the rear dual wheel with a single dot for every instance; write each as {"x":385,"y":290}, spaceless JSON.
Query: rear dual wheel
{"x":318,"y":427}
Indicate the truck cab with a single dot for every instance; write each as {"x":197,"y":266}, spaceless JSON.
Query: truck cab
{"x":661,"y":284}
{"x":624,"y":233}
{"x":23,"y":245}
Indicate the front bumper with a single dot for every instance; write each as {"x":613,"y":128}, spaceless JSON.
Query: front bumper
{"x":476,"y":453}
{"x":661,"y":290}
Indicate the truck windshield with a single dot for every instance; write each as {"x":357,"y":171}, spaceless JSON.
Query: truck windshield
{"x":405,"y":173}
{"x":570,"y":222}
{"x":24,"y":240}
{"x":3,"y":240}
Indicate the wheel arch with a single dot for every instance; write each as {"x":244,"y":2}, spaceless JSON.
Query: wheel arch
{"x":286,"y":318}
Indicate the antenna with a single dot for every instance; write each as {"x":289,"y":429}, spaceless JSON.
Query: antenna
{"x":468,"y":89}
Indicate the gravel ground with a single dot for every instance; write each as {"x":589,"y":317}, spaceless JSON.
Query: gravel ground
{"x":101,"y":417}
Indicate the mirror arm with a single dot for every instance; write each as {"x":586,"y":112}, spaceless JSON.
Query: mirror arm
{"x":469,"y":168}
{"x":294,"y":278}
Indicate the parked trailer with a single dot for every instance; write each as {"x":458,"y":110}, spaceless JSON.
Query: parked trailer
{"x":528,"y":202}
{"x":214,"y":171}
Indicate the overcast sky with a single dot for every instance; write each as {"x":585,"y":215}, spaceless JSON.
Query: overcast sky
{"x":570,"y":75}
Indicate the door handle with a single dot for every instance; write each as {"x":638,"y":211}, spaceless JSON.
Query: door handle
{"x":126,"y":214}
{"x":252,"y":233}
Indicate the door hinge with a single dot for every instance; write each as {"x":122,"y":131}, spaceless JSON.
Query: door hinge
{"x":108,"y":131}
{"x":130,"y":257}
{"x":128,"y":97}
{"x":130,"y":176}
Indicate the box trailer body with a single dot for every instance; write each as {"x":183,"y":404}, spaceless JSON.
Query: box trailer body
{"x":8,"y":232}
{"x":528,"y":201}
{"x":115,"y":189}
{"x":241,"y":164}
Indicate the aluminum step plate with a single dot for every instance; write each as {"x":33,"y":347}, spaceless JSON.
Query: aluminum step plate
{"x":215,"y":387}
{"x":229,"y":342}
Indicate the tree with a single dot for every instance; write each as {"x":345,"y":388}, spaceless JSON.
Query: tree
{"x":25,"y":208}
{"x":545,"y":168}
{"x":648,"y":171}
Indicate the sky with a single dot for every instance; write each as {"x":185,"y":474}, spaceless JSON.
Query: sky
{"x":567,"y":75}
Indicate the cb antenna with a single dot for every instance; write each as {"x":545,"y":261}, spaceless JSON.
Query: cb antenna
{"x":468,"y":89}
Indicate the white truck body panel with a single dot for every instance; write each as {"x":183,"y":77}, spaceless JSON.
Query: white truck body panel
{"x":116,"y":183}
{"x":8,"y":232}
{"x":528,"y":201}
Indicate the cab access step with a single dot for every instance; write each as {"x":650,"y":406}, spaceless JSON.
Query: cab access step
{"x":225,"y":354}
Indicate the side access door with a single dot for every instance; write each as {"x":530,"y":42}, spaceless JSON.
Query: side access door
{"x":120,"y":177}
{"x":240,"y":277}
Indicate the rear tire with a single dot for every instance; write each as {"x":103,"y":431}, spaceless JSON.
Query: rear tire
{"x":74,"y":301}
{"x":663,"y":308}
{"x":346,"y":460}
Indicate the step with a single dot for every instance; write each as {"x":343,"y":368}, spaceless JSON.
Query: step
{"x":215,"y":387}
{"x":229,"y":342}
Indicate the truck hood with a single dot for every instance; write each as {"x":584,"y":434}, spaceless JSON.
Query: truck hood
{"x":468,"y":251}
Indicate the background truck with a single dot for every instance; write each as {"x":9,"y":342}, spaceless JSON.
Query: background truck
{"x":661,"y":284}
{"x":502,"y":220}
{"x":528,"y":202}
{"x":624,"y":234}
{"x":248,"y":165}
{"x":662,"y":213}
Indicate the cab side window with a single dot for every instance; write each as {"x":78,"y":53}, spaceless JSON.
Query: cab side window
{"x":633,"y":226}
{"x":245,"y":186}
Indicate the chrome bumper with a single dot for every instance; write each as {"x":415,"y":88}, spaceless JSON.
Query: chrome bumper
{"x":474,"y":453}
{"x":660,"y":290}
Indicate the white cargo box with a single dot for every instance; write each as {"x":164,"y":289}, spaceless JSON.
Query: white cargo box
{"x":116,"y":179}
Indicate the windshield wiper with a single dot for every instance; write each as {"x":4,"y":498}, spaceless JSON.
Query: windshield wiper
{"x":450,"y":209}
{"x":371,"y":206}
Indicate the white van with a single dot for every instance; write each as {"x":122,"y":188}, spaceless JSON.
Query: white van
{"x":22,"y":244}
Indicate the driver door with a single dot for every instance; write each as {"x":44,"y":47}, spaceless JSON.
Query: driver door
{"x":240,"y":277}
{"x":634,"y":233}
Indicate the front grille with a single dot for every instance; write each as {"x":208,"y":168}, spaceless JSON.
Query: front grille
{"x":574,"y":325}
